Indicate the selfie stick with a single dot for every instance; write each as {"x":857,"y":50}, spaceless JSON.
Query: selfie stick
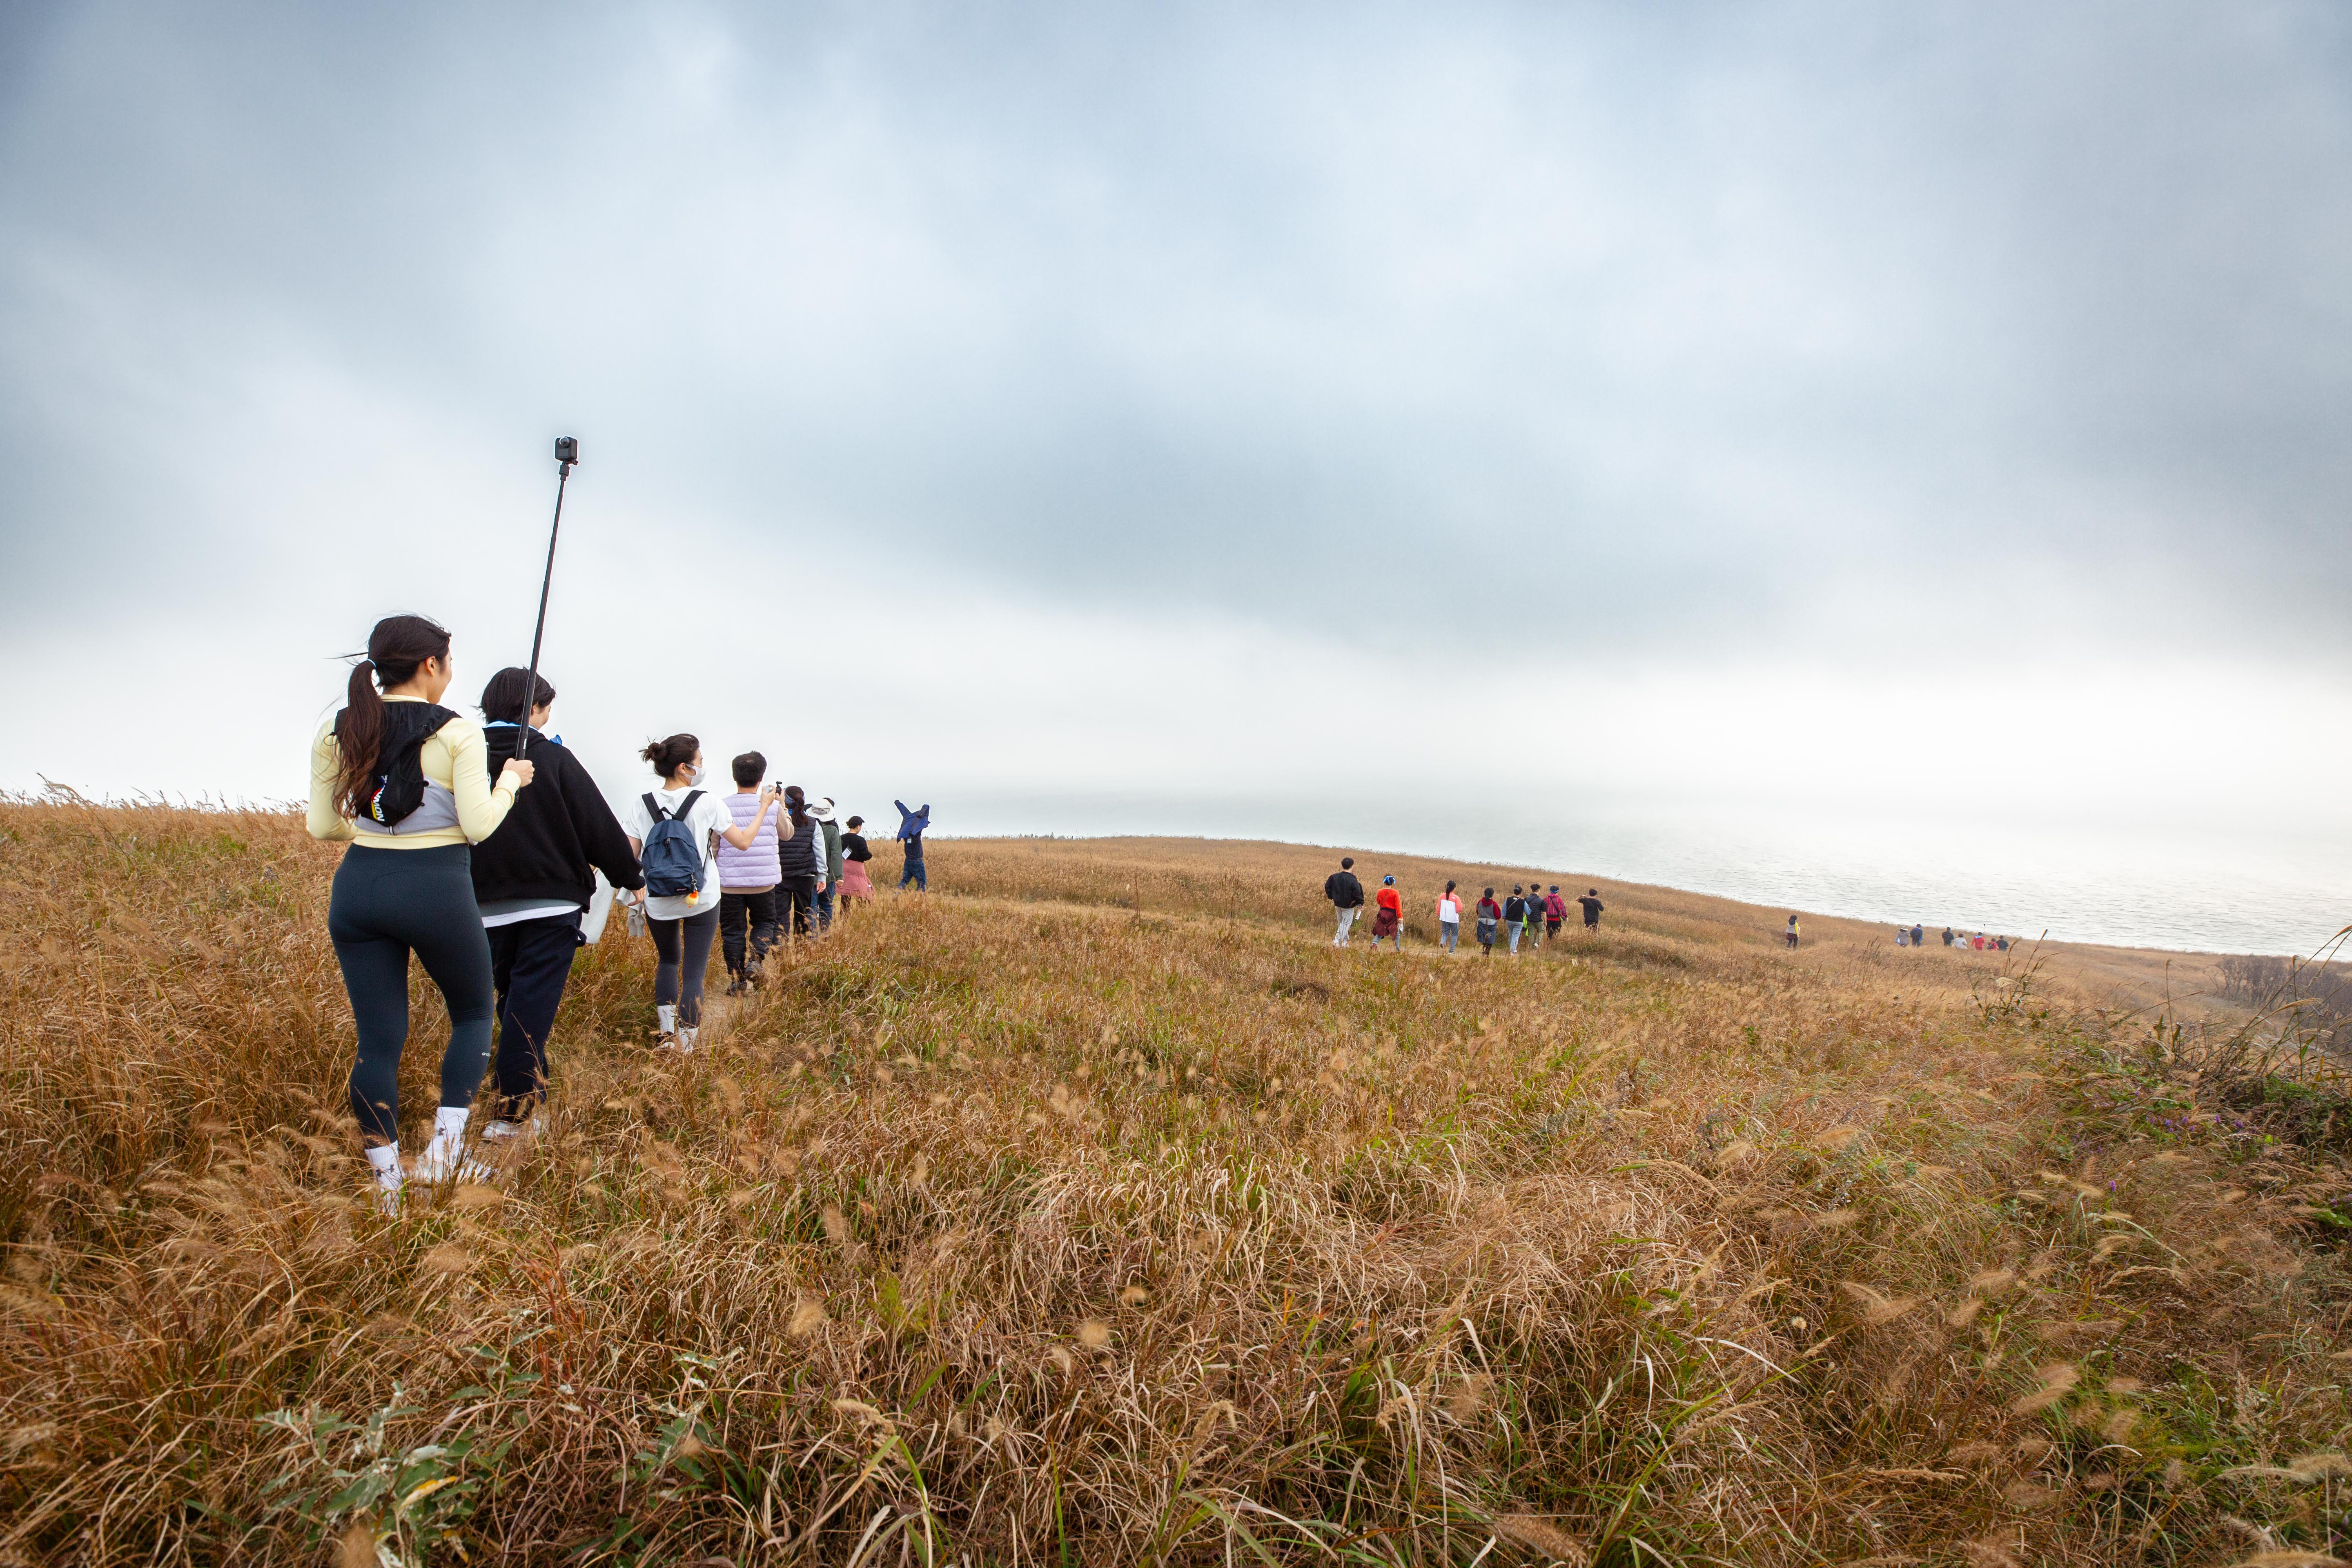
{"x":567,"y":452}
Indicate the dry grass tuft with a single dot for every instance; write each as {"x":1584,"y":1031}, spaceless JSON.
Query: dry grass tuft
{"x":1094,"y":1210}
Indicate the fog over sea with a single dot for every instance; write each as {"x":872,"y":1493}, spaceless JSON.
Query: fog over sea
{"x":2139,"y":886}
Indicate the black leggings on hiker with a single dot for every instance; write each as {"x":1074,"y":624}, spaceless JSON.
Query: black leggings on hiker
{"x":669,"y":971}
{"x":386,"y":904}
{"x":529,"y":961}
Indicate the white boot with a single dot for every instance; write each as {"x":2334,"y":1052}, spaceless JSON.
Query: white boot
{"x":446,"y":1156}
{"x":384,"y":1158}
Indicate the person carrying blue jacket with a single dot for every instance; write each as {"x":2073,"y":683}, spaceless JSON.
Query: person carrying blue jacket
{"x":911,"y":824}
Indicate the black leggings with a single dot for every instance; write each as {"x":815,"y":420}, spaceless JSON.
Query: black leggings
{"x":699,"y":930}
{"x":386,"y":904}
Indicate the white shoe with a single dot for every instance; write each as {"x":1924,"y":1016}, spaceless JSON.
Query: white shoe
{"x":384,"y":1159}
{"x":445,"y":1159}
{"x":507,"y":1131}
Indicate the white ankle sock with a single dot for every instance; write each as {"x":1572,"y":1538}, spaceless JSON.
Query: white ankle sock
{"x":685,"y":1038}
{"x":385,"y":1158}
{"x":668,"y":1017}
{"x":449,"y":1124}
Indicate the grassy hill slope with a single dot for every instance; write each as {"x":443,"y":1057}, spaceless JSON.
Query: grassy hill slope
{"x":1094,"y":1210}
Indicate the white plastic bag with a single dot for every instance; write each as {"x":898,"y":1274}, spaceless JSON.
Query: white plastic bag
{"x":600,"y":905}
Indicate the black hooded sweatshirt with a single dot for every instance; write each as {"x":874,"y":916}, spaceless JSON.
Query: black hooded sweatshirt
{"x":558,"y":828}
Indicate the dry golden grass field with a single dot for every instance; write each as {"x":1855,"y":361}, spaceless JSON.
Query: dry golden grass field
{"x":1094,"y":1210}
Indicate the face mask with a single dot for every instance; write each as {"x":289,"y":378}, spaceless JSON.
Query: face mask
{"x":697,"y":776}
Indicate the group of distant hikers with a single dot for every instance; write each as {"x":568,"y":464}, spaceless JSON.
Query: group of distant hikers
{"x":1916,"y":936}
{"x":493,"y":885}
{"x":1529,"y":913}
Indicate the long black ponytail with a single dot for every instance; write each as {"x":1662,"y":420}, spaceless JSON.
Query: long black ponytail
{"x":396,"y":648}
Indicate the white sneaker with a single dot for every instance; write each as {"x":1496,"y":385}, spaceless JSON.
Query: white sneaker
{"x":507,"y":1131}
{"x":384,"y":1158}
{"x":445,"y":1159}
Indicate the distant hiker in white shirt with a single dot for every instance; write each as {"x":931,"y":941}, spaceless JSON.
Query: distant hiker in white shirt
{"x":1449,"y":918}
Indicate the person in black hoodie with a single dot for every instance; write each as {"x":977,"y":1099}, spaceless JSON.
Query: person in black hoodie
{"x":1346,"y":895}
{"x":533,"y":880}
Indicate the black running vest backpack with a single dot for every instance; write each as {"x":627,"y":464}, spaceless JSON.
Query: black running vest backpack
{"x":396,"y":787}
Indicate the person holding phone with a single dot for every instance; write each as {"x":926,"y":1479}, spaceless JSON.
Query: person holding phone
{"x":802,"y":852}
{"x":748,"y":879}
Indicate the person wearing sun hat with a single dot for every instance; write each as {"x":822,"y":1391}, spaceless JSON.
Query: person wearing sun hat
{"x":821,"y":814}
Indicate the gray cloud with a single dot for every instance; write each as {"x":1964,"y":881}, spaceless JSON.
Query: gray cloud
{"x":1822,"y":324}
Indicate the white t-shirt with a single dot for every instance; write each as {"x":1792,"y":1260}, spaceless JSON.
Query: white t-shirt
{"x":709,"y":817}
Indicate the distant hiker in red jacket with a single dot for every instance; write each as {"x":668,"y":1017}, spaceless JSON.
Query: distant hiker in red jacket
{"x":1389,"y":922}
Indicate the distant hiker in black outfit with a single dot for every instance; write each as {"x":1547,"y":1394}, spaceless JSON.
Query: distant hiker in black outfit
{"x":1590,"y":904}
{"x":1918,"y":937}
{"x":1346,"y":895}
{"x":532,"y":880}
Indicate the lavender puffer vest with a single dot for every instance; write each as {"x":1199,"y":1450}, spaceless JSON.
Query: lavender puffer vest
{"x":756,"y":866}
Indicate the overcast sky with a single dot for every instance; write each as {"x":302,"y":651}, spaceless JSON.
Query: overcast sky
{"x":1947,"y":401}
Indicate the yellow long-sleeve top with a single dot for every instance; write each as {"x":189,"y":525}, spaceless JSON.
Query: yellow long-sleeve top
{"x":453,"y":757}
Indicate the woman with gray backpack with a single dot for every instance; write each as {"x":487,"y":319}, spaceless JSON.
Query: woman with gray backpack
{"x":676,"y":831}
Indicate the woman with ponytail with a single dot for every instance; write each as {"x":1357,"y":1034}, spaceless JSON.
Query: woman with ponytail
{"x":405,"y":781}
